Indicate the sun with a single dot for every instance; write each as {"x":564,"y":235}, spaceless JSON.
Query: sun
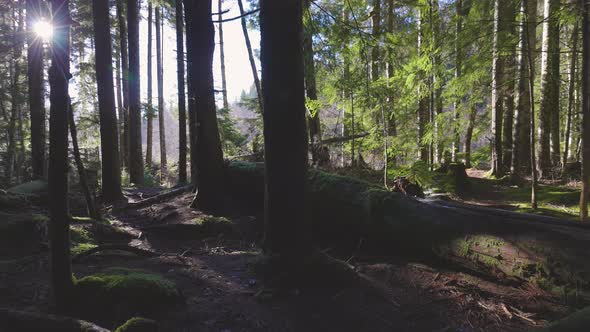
{"x":43,"y":29}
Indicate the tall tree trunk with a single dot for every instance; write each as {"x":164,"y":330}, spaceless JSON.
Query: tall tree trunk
{"x":469,"y":136}
{"x":521,"y":156}
{"x":91,"y":208}
{"x":315,"y":132}
{"x":375,"y":52}
{"x":59,"y":228}
{"x":584,"y":196}
{"x":111,"y":173}
{"x":437,"y":96}
{"x":571,"y":93}
{"x":554,"y":84}
{"x":287,"y":227}
{"x":188,"y":16}
{"x":497,"y":84}
{"x":125,"y":69}
{"x":14,"y":102}
{"x":160,"y":68}
{"x":458,"y":72}
{"x":135,"y":155}
{"x":423,"y":99}
{"x":549,"y":97}
{"x":391,"y":122}
{"x":181,"y":95}
{"x":120,"y":109}
{"x":531,"y":83}
{"x":36,"y":93}
{"x":150,"y":110}
{"x":209,"y":154}
{"x":509,"y":64}
{"x":251,"y":57}
{"x":222,"y":55}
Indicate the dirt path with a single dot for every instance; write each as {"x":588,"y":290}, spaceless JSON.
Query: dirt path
{"x":222,"y":292}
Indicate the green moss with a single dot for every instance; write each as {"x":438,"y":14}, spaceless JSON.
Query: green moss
{"x":32,"y":187}
{"x":138,"y":324}
{"x":579,"y":321}
{"x":211,"y":225}
{"x":81,"y":247}
{"x":121,"y":291}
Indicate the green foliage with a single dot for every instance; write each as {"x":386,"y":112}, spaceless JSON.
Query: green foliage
{"x":419,"y":172}
{"x":576,"y":322}
{"x":232,"y":140}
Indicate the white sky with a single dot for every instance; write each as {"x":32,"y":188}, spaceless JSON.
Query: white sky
{"x":237,"y":64}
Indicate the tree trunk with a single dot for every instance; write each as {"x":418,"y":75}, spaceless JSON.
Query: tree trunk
{"x":150,"y":110}
{"x":509,"y":64}
{"x":423,"y":99}
{"x":497,"y":85}
{"x":522,"y":128}
{"x":120,"y":109}
{"x":59,"y":228}
{"x":391,"y":121}
{"x":251,"y":57}
{"x":160,"y":68}
{"x":531,"y":90}
{"x":549,"y":98}
{"x":571,"y":93}
{"x":222,"y":55}
{"x":584,"y":196}
{"x":125,"y":69}
{"x":209,"y":163}
{"x":510,"y":246}
{"x":287,"y":227}
{"x":188,"y":16}
{"x":181,"y":95}
{"x":315,"y":132}
{"x":135,"y":155}
{"x":111,"y":173}
{"x":375,"y":52}
{"x":88,"y":196}
{"x":469,"y":136}
{"x":36,"y":93}
{"x":458,"y":72}
{"x":554,"y":84}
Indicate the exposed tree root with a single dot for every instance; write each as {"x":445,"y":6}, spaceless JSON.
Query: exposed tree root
{"x":24,"y":321}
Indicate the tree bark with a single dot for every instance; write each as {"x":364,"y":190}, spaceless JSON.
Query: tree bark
{"x":531,"y":91}
{"x":423,"y":99}
{"x":584,"y":196}
{"x":549,"y":95}
{"x":111,"y":173}
{"x":315,"y":132}
{"x":135,"y":155}
{"x":150,"y":110}
{"x":287,"y":227}
{"x":181,"y":95}
{"x":571,"y":93}
{"x":469,"y":136}
{"x":222,"y":55}
{"x":522,"y":127}
{"x":497,"y":84}
{"x":160,"y":67}
{"x":35,"y":85}
{"x":251,"y":57}
{"x":188,"y":17}
{"x":209,"y":163}
{"x":458,"y":72}
{"x":59,"y":74}
{"x":125,"y":69}
{"x":509,"y":64}
{"x":120,"y":109}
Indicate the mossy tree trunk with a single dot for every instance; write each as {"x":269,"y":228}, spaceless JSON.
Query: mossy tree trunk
{"x":508,"y":245}
{"x":122,"y":25}
{"x":287,"y":227}
{"x":59,"y":230}
{"x":181,"y":94}
{"x":150,"y":110}
{"x":160,"y":76}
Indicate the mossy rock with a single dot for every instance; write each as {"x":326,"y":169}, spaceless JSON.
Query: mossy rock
{"x":20,"y":233}
{"x":579,"y":321}
{"x":138,"y":324}
{"x":119,"y":292}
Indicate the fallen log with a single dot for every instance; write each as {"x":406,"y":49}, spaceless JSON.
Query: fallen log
{"x":506,"y":245}
{"x":158,"y":198}
{"x":25,"y":321}
{"x":343,"y":138}
{"x":119,"y":247}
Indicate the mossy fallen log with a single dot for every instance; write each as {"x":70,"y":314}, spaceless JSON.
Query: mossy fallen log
{"x":25,"y":321}
{"x":550,"y":253}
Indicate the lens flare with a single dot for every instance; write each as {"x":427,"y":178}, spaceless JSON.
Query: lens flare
{"x":43,"y":29}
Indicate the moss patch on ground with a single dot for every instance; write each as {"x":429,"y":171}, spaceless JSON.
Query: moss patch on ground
{"x":138,"y":324}
{"x":80,"y":240}
{"x":120,"y":292}
{"x":579,"y":321}
{"x":211,"y":225}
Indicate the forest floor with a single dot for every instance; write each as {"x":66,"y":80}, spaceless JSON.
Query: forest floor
{"x":222,"y":290}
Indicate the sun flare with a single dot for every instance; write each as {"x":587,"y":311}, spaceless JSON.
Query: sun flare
{"x":43,"y":29}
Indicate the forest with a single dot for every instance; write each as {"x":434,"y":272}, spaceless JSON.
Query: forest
{"x":294,"y":165}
